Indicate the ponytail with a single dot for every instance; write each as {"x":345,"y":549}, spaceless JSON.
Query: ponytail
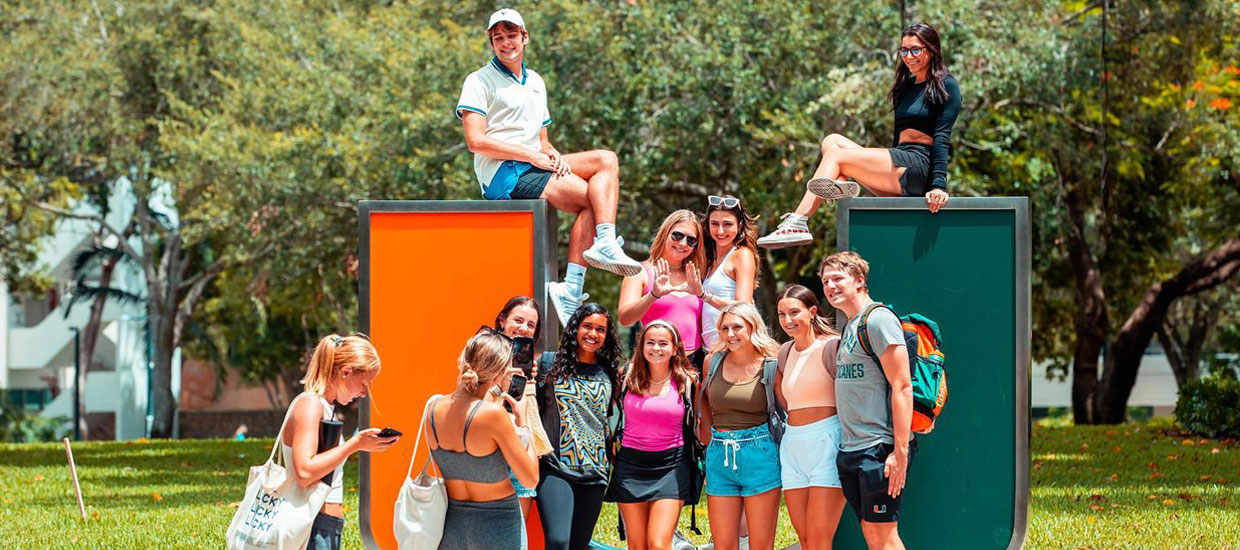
{"x":333,"y":354}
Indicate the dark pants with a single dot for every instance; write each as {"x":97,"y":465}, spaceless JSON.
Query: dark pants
{"x":325,"y":534}
{"x":568,"y":511}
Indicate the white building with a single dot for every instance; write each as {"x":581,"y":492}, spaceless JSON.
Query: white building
{"x":1155,"y":386}
{"x":37,"y":349}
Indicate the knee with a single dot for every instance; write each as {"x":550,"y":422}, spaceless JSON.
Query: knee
{"x":608,"y":160}
{"x":831,"y":142}
{"x":556,"y":541}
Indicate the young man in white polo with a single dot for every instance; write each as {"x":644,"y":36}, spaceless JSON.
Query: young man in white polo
{"x":503,"y":107}
{"x":875,"y":403}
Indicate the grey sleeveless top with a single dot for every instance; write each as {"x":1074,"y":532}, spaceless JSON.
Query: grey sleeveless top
{"x":462,"y":466}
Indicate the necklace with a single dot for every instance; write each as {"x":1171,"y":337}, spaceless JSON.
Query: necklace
{"x":661,"y":382}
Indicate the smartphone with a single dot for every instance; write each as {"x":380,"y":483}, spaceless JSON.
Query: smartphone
{"x":517,"y":388}
{"x":523,"y":354}
{"x":389,"y":432}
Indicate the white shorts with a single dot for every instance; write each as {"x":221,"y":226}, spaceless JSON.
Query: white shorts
{"x":807,"y":454}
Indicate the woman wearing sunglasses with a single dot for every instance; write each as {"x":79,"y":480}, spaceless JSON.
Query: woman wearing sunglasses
{"x":669,"y":287}
{"x":731,"y":259}
{"x":926,"y":100}
{"x":577,"y":393}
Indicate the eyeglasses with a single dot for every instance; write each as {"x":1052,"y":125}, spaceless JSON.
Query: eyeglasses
{"x":726,"y":202}
{"x":678,"y":236}
{"x":914,"y":52}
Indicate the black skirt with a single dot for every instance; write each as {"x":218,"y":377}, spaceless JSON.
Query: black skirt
{"x":645,"y":476}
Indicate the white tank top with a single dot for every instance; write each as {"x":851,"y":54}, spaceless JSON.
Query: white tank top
{"x":336,"y":495}
{"x":719,"y":284}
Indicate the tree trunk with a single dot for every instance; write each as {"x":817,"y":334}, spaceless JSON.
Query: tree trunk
{"x":1184,"y":351}
{"x":1091,"y":321}
{"x":90,"y":337}
{"x":1128,"y":347}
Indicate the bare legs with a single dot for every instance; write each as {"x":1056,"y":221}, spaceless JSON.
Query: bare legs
{"x":761,"y":514}
{"x":815,"y":514}
{"x":649,"y":525}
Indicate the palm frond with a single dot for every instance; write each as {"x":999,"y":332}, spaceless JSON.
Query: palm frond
{"x":90,"y":257}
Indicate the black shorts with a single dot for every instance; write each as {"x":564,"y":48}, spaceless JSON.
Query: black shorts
{"x":646,"y":476}
{"x":915,"y":159}
{"x":865,"y":486}
{"x":517,"y":180}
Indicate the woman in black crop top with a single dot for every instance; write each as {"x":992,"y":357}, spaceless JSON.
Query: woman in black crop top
{"x":926,"y":100}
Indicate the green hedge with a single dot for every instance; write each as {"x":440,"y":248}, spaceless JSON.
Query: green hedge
{"x":1210,"y":407}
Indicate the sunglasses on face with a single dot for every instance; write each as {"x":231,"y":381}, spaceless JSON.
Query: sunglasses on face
{"x":678,"y":237}
{"x":913,"y":52}
{"x":726,"y":202}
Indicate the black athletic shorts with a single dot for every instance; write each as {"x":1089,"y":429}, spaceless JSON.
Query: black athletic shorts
{"x":915,"y":158}
{"x":865,"y":486}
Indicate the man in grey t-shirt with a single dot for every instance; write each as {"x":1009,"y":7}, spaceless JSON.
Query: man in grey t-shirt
{"x":875,"y":401}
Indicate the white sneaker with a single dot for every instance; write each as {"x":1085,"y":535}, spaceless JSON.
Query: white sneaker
{"x":830,"y":189}
{"x":608,"y":254}
{"x":792,"y":231}
{"x":744,"y":543}
{"x":681,"y":542}
{"x":564,"y":301}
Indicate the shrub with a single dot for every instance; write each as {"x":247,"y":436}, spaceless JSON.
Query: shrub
{"x":18,"y":426}
{"x":1208,"y":407}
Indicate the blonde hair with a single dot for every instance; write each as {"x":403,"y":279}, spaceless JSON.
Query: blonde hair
{"x":333,"y":354}
{"x":698,"y":257}
{"x":759,"y":336}
{"x":849,"y":262}
{"x":637,"y":377}
{"x":486,"y":357}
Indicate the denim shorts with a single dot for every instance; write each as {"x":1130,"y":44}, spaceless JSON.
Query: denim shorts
{"x":522,"y":491}
{"x":807,"y":454}
{"x":742,"y":463}
{"x":325,"y":533}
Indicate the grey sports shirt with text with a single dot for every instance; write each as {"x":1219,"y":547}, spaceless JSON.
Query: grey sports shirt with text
{"x":861,"y":390}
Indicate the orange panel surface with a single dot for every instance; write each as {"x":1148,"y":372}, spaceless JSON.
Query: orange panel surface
{"x":434,"y":279}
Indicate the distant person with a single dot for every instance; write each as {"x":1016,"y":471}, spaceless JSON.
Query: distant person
{"x":740,"y":419}
{"x":341,"y":370}
{"x":926,"y":101}
{"x":732,"y":261}
{"x":503,"y":107}
{"x":578,"y":392}
{"x":805,"y":386}
{"x":475,"y":445}
{"x":875,"y":402}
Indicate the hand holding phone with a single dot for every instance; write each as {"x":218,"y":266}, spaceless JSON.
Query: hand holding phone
{"x":389,"y":432}
{"x":516,"y":388}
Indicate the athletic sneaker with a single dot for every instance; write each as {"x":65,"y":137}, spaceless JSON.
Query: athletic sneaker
{"x":681,"y":542}
{"x":608,"y":254}
{"x":830,"y":189}
{"x":792,"y":231}
{"x":564,"y":301}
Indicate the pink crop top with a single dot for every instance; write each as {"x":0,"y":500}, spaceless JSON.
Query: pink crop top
{"x":806,"y":382}
{"x":678,"y":308}
{"x":653,"y":423}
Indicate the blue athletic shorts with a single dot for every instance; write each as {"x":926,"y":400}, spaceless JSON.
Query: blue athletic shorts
{"x":807,"y":454}
{"x":517,"y":180}
{"x":742,"y":463}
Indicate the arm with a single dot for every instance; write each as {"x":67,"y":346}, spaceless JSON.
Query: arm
{"x":519,"y":456}
{"x":635,"y":301}
{"x":941,"y":150}
{"x":895,"y":368}
{"x":745,"y":273}
{"x":309,"y":466}
{"x":705,"y":418}
{"x":478,"y":142}
{"x":779,"y":388}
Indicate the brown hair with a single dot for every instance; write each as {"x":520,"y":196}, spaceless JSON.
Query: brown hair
{"x":512,"y":304}
{"x":333,"y":354}
{"x":698,"y":257}
{"x":637,"y":377}
{"x":936,"y":91}
{"x":746,"y":235}
{"x":820,"y":325}
{"x":486,"y":357}
{"x":849,"y":262}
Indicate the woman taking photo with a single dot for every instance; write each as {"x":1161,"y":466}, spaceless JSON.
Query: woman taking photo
{"x":577,"y":392}
{"x":739,"y":416}
{"x":925,"y":99}
{"x":805,"y":387}
{"x":654,"y":471}
{"x":340,"y":371}
{"x":519,"y":318}
{"x":477,"y":447}
{"x":732,"y":260}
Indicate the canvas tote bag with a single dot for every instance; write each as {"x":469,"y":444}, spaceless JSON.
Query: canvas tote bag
{"x":276,"y":513}
{"x":422,"y":502}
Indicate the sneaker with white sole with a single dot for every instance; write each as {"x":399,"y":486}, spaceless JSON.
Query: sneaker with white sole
{"x":830,"y":189}
{"x":681,"y":542}
{"x":564,"y":301}
{"x":608,"y":254}
{"x":792,"y":231}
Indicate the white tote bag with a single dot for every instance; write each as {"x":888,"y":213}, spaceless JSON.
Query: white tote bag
{"x":276,"y":513}
{"x":423,"y":501}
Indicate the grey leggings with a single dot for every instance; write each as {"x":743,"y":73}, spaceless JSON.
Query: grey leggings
{"x":492,"y":524}
{"x":568,"y":511}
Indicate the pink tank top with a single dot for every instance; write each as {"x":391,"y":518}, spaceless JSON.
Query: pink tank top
{"x":654,"y":423}
{"x":680,"y":309}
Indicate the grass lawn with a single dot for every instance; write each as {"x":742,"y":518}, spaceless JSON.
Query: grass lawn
{"x":1122,"y":487}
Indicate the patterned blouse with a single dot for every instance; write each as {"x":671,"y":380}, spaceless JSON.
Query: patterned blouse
{"x":582,"y":400}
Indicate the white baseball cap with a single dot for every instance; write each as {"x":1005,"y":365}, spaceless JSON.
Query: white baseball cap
{"x":506,"y":14}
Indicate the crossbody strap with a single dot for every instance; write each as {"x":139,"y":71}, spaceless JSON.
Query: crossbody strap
{"x":280,"y":434}
{"x":426,"y":410}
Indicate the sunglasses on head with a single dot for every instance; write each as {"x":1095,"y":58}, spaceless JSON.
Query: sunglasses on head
{"x":726,"y":202}
{"x":915,"y":51}
{"x":677,"y":236}
{"x":491,"y":330}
